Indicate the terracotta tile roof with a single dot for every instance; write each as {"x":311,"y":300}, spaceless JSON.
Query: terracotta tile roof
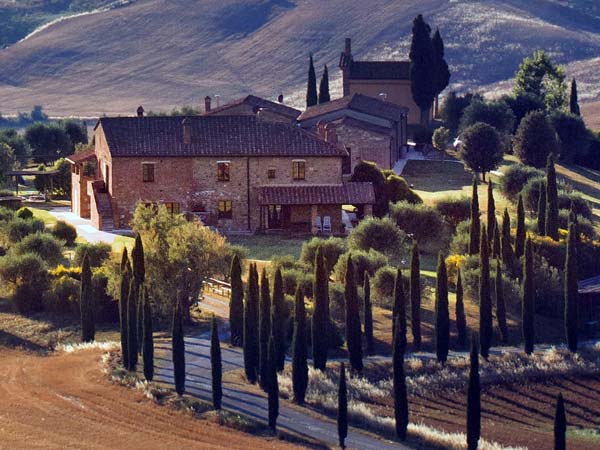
{"x":82,"y":156}
{"x":380,"y":70}
{"x":336,"y":194}
{"x":211,"y":136}
{"x":258,"y":102}
{"x":352,"y":122}
{"x":360,"y":103}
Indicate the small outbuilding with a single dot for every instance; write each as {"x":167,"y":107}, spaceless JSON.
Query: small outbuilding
{"x":589,"y":303}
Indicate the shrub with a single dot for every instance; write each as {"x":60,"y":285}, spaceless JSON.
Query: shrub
{"x":554,"y":252}
{"x":60,"y":271}
{"x":63,"y":295}
{"x":573,"y":136}
{"x":6,"y":214}
{"x":45,"y":245}
{"x":369,"y":261}
{"x":454,"y":209}
{"x":232,"y":250}
{"x":531,"y":195}
{"x":515,"y":178}
{"x":396,"y":189}
{"x":461,"y":239}
{"x":580,"y":205}
{"x":66,"y":232}
{"x":382,"y":286}
{"x":19,"y":228}
{"x":441,"y":137}
{"x":496,"y":114}
{"x":293,"y":277}
{"x":423,"y":222}
{"x":382,"y":235}
{"x":332,"y":249}
{"x":98,"y":253}
{"x":535,"y":140}
{"x":584,"y":226}
{"x":24,"y":213}
{"x":27,"y":274}
{"x":549,"y":291}
{"x":106,"y":307}
{"x":481,"y":148}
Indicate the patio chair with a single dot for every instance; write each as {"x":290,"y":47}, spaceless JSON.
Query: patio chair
{"x":317,"y":225}
{"x":327,"y":224}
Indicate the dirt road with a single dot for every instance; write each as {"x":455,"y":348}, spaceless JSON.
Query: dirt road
{"x":65,"y":401}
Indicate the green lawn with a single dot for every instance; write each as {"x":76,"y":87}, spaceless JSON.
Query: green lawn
{"x":42,"y":214}
{"x":264,"y":247}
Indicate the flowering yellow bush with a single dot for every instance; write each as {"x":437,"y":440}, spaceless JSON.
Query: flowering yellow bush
{"x":453,"y":262}
{"x":60,"y":271}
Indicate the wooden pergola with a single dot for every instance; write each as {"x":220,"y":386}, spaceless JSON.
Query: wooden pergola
{"x":21,"y":173}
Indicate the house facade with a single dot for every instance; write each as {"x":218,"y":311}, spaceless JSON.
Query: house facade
{"x":251,"y":105}
{"x":236,"y":173}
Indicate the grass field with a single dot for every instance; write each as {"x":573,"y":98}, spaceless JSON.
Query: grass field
{"x":264,"y":247}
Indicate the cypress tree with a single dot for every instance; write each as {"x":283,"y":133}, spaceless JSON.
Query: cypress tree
{"x":278,"y":320}
{"x":132,"y":342}
{"x":491,"y":212}
{"x":216,"y":365}
{"x":251,"y":344}
{"x":236,"y":302}
{"x":342,"y":417}
{"x":368,"y":313}
{"x":320,"y":320}
{"x":178,"y":348}
{"x":486,"y":327}
{"x":86,"y":302}
{"x":353,"y":332}
{"x":573,"y":101}
{"x":442,"y":72}
{"x":139,"y":315}
{"x":415,"y":295}
{"x":311,"y":90}
{"x":541,"y":211}
{"x":273,"y":386}
{"x":571,"y":289}
{"x":264,"y":331}
{"x":124,"y":295}
{"x":422,"y":60}
{"x":148,"y":338}
{"x":399,"y":310}
{"x":139,"y":274}
{"x":560,"y":425}
{"x":442,"y":319}
{"x":324,"y":96}
{"x":508,"y":255}
{"x":500,"y":303}
{"x":521,"y":233}
{"x":474,"y":399}
{"x":461,"y":320}
{"x":552,"y":200}
{"x":528,"y":300}
{"x":399,"y":385}
{"x":300,"y":351}
{"x":496,"y":247}
{"x":475,"y":230}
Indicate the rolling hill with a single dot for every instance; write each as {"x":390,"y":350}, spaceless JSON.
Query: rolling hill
{"x":168,"y":53}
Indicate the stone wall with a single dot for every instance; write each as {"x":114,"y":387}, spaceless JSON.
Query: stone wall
{"x":366,"y":145}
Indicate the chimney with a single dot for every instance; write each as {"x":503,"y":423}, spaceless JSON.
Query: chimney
{"x":140,"y":111}
{"x":348,"y":49}
{"x":187,"y":130}
{"x":280,"y":98}
{"x":207,"y":100}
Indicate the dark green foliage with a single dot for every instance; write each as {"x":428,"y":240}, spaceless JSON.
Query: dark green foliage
{"x":132,"y":330}
{"x":441,"y":76}
{"x":278,"y":320}
{"x":76,"y":131}
{"x":399,"y":310}
{"x":454,"y":209}
{"x":368,"y":313}
{"x":264,"y":330}
{"x":216,"y":365}
{"x":399,"y":385}
{"x":442,"y":317}
{"x":66,"y":232}
{"x":178,"y":348}
{"x":332,"y":247}
{"x":475,"y":230}
{"x":552,"y":200}
{"x":273,"y":386}
{"x":515,"y":178}
{"x":342,"y":415}
{"x":521,"y":231}
{"x":324,"y":96}
{"x":353,"y":331}
{"x":86,"y":302}
{"x":486,"y":327}
{"x":571,"y":289}
{"x":423,"y":222}
{"x":17,"y":229}
{"x":311,"y":89}
{"x":481,"y":149}
{"x":496,"y":247}
{"x":251,"y":343}
{"x":139,"y":273}
{"x":422,"y":59}
{"x":508,"y":255}
{"x":500,"y":303}
{"x":45,"y":245}
{"x":541,"y":212}
{"x":474,"y":399}
{"x":320,"y":320}
{"x":496,"y":114}
{"x":461,"y":320}
{"x":140,"y":320}
{"x":573,"y":136}
{"x":124,"y":295}
{"x":528,"y":300}
{"x":535,"y":139}
{"x":453,"y":108}
{"x":48,"y":142}
{"x":148,"y":338}
{"x":491,"y":212}
{"x":415,"y":296}
{"x":97,"y":252}
{"x":560,"y":425}
{"x":573,"y":101}
{"x":236,"y":302}
{"x":521,"y":105}
{"x":299,"y":350}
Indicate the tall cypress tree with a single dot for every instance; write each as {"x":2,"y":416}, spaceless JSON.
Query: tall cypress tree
{"x":528,"y":300}
{"x":320,"y":320}
{"x":216,"y":365}
{"x":368,"y":313}
{"x":560,"y":425}
{"x":311,"y":90}
{"x":474,"y":399}
{"x":278,"y":320}
{"x":422,"y":60}
{"x":508,"y":255}
{"x":399,"y":385}
{"x":251,"y":345}
{"x":475,"y":229}
{"x":461,"y":320}
{"x":500,"y":303}
{"x":491,"y":212}
{"x":415,"y":295}
{"x":273,"y":386}
{"x":236,"y":302}
{"x":178,"y":348}
{"x":123,"y":297}
{"x":442,"y":318}
{"x":541,"y":211}
{"x":342,"y":416}
{"x":571,"y":289}
{"x":552,"y":200}
{"x":399,"y":310}
{"x":299,"y":349}
{"x":353,"y":332}
{"x":264,"y":332}
{"x":486,"y":326}
{"x":496,"y":246}
{"x":147,"y":338}
{"x":324,"y":96}
{"x":442,"y":72}
{"x":139,"y":275}
{"x":573,"y":101}
{"x":521,"y":232}
{"x":132,"y":342}
{"x":86,"y":302}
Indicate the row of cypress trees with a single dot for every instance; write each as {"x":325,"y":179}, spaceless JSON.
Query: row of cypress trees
{"x":312,"y":98}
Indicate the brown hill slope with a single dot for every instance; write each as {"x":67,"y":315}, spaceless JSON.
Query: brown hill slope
{"x":163,"y":53}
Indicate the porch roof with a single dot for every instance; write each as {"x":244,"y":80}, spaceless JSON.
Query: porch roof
{"x":323,"y":194}
{"x":76,"y":158}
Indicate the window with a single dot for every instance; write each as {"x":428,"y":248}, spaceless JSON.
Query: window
{"x":299,"y":170}
{"x":147,"y":172}
{"x":173,"y":207}
{"x":271,"y":173}
{"x":223,"y":170}
{"x":225,"y":209}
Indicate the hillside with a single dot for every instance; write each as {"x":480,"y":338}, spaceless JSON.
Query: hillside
{"x":167,"y":53}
